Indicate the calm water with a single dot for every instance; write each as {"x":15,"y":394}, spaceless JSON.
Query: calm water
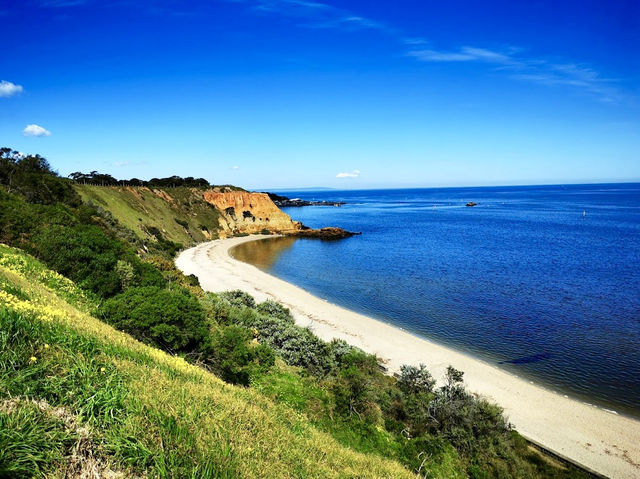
{"x":522,"y":280}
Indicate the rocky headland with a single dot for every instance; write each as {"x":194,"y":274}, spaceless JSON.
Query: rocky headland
{"x":243,"y":212}
{"x":285,"y":202}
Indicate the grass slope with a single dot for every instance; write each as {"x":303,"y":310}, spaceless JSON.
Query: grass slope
{"x":180,"y":214}
{"x":77,"y":396}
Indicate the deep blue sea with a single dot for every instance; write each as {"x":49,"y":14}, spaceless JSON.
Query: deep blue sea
{"x":541,"y":280}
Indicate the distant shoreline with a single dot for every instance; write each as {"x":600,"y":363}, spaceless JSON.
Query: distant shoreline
{"x":590,"y":436}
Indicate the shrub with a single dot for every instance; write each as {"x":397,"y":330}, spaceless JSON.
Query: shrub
{"x":339,"y":349}
{"x":235,"y":359}
{"x":239,"y":298}
{"x":415,"y":379}
{"x":84,"y":254}
{"x":173,"y":320}
{"x":354,"y":387}
{"x":470,"y":423}
{"x":31,"y":177}
{"x":182,"y":223}
{"x":276,"y":310}
{"x":297,"y":346}
{"x":125,"y":273}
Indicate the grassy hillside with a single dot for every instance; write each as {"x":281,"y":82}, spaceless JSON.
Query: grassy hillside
{"x":180,"y":214}
{"x":80,"y":398}
{"x":77,"y":394}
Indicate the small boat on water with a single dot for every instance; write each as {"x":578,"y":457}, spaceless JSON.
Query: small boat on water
{"x":471,"y":203}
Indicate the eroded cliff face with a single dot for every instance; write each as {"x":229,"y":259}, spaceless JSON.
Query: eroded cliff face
{"x":244,"y":212}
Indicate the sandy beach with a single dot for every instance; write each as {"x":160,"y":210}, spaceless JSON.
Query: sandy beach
{"x":601,"y":441}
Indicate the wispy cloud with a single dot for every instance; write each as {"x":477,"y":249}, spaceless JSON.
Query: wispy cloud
{"x":120,"y":164}
{"x":534,"y":70}
{"x":322,"y":15}
{"x":353,"y":174}
{"x":35,"y":130}
{"x":9,"y":89}
{"x":313,"y":14}
{"x":465,"y":54}
{"x":236,"y":167}
{"x":308,"y":13}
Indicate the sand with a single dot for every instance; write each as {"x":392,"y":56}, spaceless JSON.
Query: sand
{"x":601,"y":441}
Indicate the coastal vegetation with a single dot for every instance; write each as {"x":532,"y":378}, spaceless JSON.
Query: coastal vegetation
{"x":111,"y":359}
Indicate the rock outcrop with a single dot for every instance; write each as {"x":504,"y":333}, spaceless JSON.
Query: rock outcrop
{"x":244,"y":212}
{"x":329,"y":233}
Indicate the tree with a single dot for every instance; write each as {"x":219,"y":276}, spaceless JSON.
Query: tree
{"x":173,"y":320}
{"x":415,"y":379}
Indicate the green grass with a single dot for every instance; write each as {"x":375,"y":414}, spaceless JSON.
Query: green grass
{"x":73,"y":389}
{"x":138,"y":208}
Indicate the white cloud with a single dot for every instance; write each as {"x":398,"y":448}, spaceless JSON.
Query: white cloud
{"x":465,"y":54}
{"x":35,"y":130}
{"x":312,"y":14}
{"x":119,"y":164}
{"x":353,"y":174}
{"x":415,"y":41}
{"x":528,"y":69}
{"x":9,"y":89}
{"x":235,"y":167}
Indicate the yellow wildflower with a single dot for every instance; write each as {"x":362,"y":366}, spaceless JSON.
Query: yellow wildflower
{"x":33,"y":359}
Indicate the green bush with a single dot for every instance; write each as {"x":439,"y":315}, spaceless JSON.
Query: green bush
{"x":235,"y":359}
{"x":276,"y":310}
{"x":356,"y":386}
{"x":239,"y":298}
{"x":84,"y":254}
{"x":297,"y":346}
{"x":172,"y":320}
{"x":31,"y":177}
{"x":182,"y":223}
{"x":415,"y":380}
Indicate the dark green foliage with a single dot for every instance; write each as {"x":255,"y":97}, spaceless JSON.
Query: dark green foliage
{"x":235,"y":359}
{"x":344,"y":388}
{"x":103,"y":179}
{"x":172,"y":320}
{"x":182,"y":223}
{"x":162,"y":245}
{"x":415,"y":380}
{"x":297,"y":346}
{"x":275,"y":309}
{"x":82,"y":253}
{"x":19,"y":220}
{"x":355,"y":386}
{"x":239,"y":298}
{"x":146,"y":274}
{"x":31,"y":176}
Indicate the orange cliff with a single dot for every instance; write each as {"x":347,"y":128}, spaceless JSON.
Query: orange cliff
{"x":244,"y":212}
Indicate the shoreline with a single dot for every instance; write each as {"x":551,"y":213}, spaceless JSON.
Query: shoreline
{"x":598,"y":440}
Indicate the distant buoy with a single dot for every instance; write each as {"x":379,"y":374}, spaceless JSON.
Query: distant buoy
{"x":584,"y":213}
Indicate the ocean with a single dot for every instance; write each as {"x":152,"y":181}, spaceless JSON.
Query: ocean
{"x":543,"y":281}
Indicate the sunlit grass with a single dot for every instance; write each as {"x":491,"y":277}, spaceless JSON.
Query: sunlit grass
{"x":135,"y":207}
{"x":145,"y":412}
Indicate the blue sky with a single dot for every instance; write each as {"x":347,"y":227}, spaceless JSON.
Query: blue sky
{"x":343,"y":94}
